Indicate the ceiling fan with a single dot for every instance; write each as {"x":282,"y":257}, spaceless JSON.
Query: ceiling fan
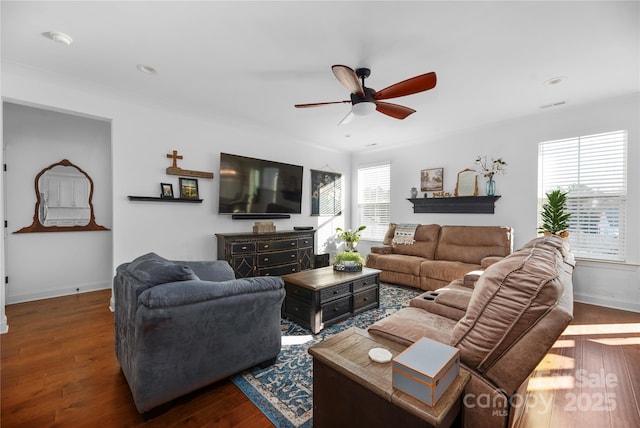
{"x":365,"y":100}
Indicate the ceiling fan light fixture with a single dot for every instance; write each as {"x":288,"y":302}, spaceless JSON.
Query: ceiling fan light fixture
{"x":364,"y":108}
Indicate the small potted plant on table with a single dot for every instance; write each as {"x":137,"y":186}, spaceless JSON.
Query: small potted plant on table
{"x":348,"y":261}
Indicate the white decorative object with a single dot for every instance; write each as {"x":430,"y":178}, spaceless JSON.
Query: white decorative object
{"x":380,"y":355}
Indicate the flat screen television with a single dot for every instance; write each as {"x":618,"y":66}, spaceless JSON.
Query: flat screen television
{"x":259,"y":187}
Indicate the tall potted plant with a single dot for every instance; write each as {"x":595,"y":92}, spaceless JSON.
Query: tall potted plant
{"x":555,"y":218}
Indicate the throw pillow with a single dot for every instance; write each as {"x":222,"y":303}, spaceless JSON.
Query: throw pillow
{"x":153,"y":269}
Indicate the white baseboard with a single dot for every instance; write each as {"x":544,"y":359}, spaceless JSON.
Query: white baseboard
{"x":59,"y":292}
{"x":4,"y":327}
{"x":607,"y":302}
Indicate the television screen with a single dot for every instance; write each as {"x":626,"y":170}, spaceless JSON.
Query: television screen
{"x":256,"y":186}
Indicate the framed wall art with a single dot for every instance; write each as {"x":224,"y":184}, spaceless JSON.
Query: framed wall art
{"x":189,"y":188}
{"x":326,"y":193}
{"x":431,"y":180}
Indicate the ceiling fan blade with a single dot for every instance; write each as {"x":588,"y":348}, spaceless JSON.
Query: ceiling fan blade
{"x":320,"y":104}
{"x":348,"y":118}
{"x":416,"y":84}
{"x":347,"y":76}
{"x":394,"y":110}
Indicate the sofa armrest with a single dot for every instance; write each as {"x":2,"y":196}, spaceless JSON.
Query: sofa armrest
{"x":211,"y":270}
{"x":470,"y":278}
{"x":189,"y":292}
{"x":382,"y":250}
{"x":489,"y":260}
{"x":450,"y":302}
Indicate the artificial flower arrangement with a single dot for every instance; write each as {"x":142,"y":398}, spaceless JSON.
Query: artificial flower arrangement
{"x":489,"y":169}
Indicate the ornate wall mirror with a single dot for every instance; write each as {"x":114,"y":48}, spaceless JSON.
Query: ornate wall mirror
{"x":467,"y":184}
{"x":63,"y":200}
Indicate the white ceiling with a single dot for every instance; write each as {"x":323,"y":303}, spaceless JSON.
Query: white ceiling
{"x":252,"y":61}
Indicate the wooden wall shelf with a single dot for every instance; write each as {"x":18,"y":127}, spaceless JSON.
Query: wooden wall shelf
{"x":155,"y":199}
{"x":461,"y":204}
{"x":188,"y":173}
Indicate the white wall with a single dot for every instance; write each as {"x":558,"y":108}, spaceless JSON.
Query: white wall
{"x":44,"y":264}
{"x":516,"y":141}
{"x":142,"y":135}
{"x":4,"y":327}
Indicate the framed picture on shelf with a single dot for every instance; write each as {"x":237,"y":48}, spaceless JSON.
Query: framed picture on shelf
{"x":189,"y":188}
{"x":166,"y":190}
{"x":431,"y":180}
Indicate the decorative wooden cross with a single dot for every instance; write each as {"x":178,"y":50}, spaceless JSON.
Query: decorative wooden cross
{"x":174,"y":170}
{"x":175,"y":158}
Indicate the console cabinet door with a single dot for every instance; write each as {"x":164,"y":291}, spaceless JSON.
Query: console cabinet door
{"x":243,"y":265}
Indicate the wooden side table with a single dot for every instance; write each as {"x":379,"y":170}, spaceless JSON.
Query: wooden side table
{"x":351,"y":390}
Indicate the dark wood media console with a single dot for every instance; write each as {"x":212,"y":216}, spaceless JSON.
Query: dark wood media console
{"x":262,"y":254}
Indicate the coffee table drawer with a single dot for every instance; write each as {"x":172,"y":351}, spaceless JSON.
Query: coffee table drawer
{"x":297,"y":309}
{"x":336,"y":309}
{"x":298,"y":292}
{"x":335,"y":292}
{"x":365,"y":300}
{"x":363,"y":283}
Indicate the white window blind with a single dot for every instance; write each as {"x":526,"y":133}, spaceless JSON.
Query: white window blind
{"x":593,"y":170}
{"x":374,"y":188}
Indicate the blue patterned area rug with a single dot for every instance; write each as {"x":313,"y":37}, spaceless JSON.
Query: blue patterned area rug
{"x":283,"y":392}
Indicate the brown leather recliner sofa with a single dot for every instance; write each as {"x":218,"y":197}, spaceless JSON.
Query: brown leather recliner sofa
{"x":503,"y":325}
{"x":440,"y":254}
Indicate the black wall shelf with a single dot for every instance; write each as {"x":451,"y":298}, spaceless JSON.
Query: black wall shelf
{"x":155,"y":199}
{"x":459,"y":205}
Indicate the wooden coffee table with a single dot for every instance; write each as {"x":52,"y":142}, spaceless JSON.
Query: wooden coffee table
{"x":351,"y":390}
{"x":317,"y":298}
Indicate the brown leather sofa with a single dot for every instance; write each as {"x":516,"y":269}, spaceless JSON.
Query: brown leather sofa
{"x":503,"y":325}
{"x":440,"y":254}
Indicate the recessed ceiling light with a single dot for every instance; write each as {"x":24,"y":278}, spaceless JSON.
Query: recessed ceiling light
{"x":65,"y":39}
{"x":146,"y":69}
{"x":555,"y":80}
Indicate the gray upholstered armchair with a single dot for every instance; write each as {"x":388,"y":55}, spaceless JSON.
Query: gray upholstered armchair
{"x":180,"y":326}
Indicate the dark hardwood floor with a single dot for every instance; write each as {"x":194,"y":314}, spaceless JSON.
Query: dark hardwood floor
{"x":59,"y":369}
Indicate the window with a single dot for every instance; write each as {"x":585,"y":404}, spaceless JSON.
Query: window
{"x":374,"y":188}
{"x":593,"y":170}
